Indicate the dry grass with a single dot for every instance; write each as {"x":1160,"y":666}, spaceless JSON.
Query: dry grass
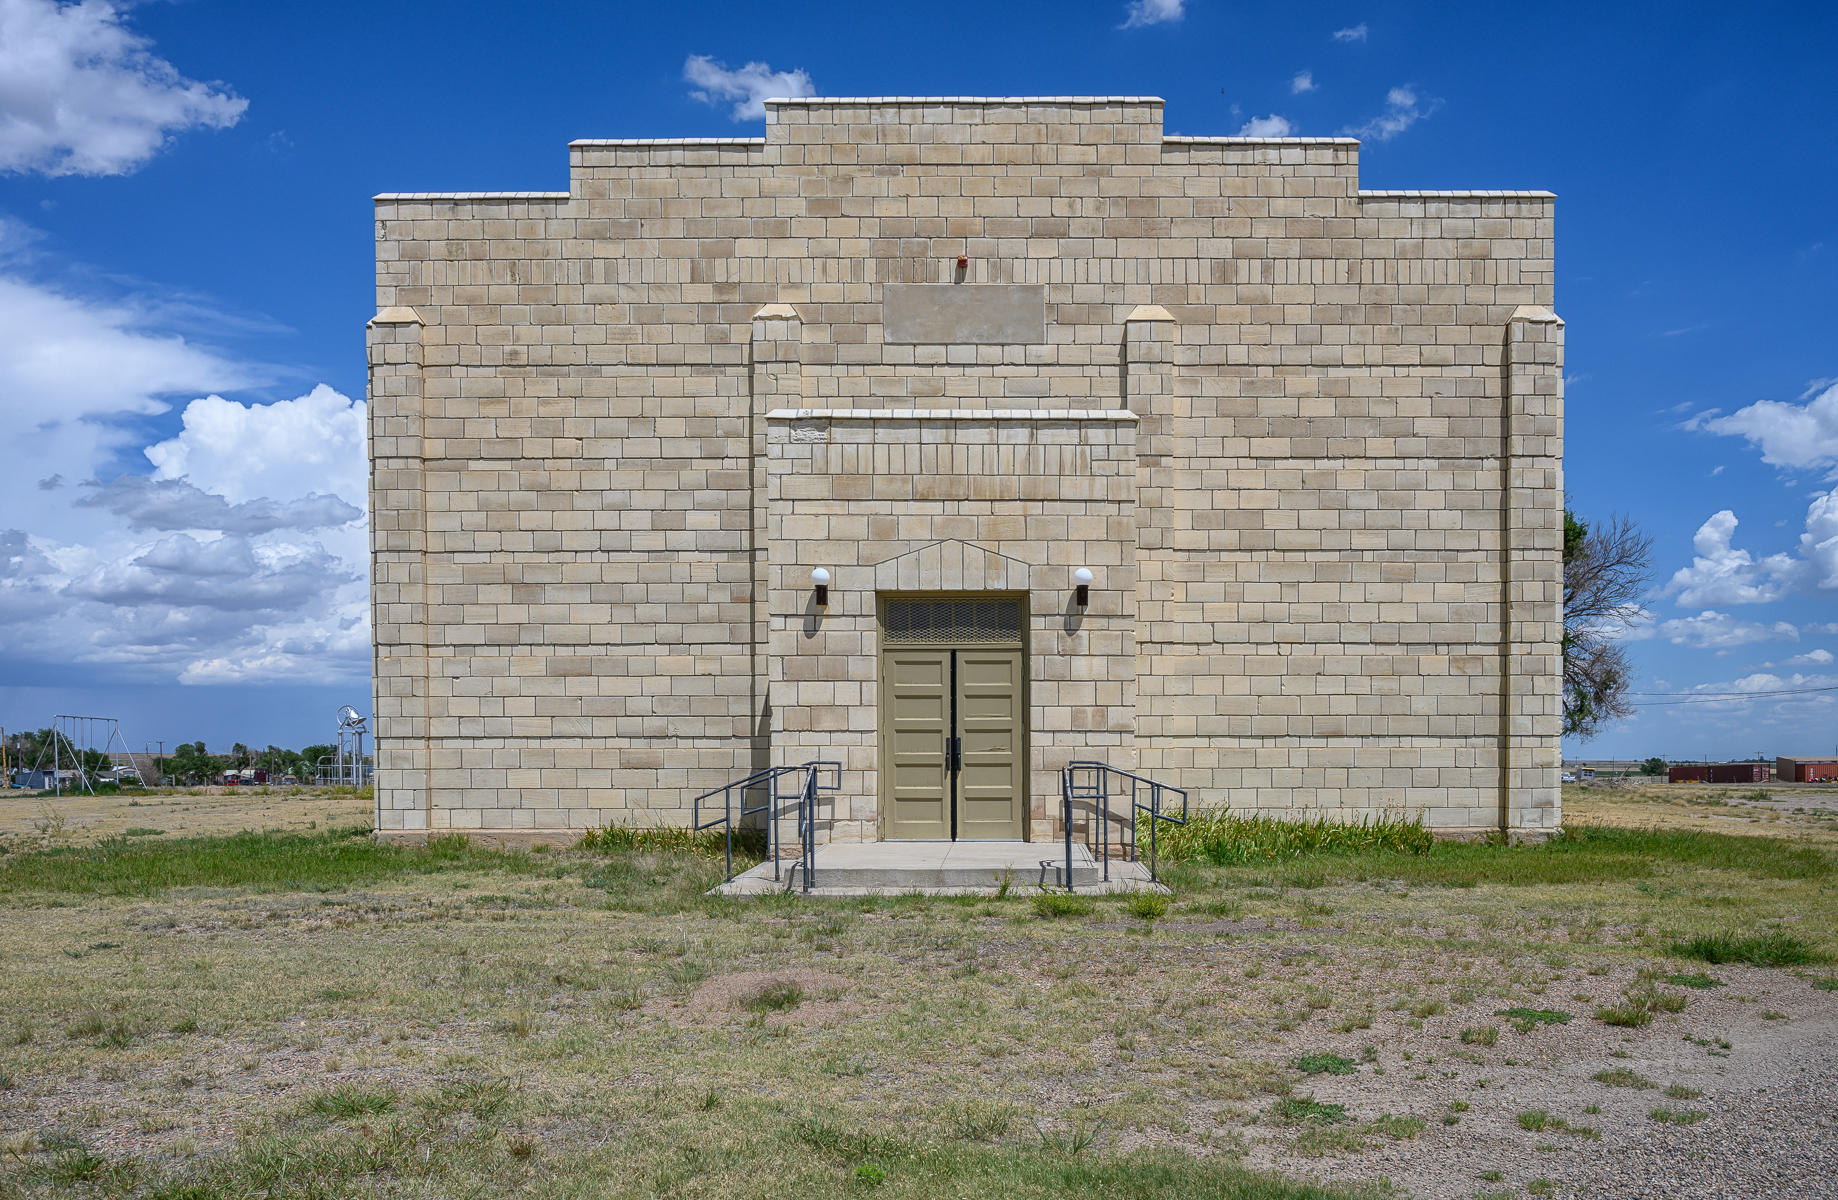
{"x":28,"y":820}
{"x":451,"y":1021}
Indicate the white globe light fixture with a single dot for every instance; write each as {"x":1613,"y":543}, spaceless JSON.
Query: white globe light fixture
{"x":1082,"y":578}
{"x":820,"y":580}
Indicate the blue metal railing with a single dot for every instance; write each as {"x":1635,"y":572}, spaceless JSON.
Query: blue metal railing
{"x":776,"y":785}
{"x":1096,"y":783}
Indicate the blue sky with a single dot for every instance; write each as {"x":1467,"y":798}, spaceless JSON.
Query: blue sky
{"x":185,"y":270}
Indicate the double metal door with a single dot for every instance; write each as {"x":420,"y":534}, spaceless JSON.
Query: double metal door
{"x":953,"y":738}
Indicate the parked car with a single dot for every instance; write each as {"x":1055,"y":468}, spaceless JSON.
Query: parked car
{"x":1567,"y":777}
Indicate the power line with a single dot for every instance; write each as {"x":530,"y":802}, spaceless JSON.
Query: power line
{"x":1727,"y":697}
{"x":1743,"y":695}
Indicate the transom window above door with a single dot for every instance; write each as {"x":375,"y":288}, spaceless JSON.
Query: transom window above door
{"x":918,"y":621}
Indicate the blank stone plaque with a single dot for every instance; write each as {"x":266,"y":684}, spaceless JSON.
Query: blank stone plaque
{"x":976,"y":314}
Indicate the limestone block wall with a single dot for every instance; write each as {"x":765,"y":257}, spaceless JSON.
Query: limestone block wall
{"x":1346,"y":456}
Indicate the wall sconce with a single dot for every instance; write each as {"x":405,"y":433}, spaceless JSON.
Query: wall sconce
{"x":1082,"y":592}
{"x":820,"y":579}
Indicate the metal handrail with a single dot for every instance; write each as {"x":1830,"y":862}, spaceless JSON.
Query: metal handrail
{"x":772,"y":805}
{"x":1091,"y":780}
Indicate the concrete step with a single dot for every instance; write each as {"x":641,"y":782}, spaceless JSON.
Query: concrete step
{"x":943,"y":868}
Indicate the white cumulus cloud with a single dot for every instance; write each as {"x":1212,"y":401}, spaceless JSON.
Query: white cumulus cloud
{"x":1303,"y":82}
{"x":1271,"y":126}
{"x":1819,"y":544}
{"x":81,"y":94}
{"x":1812,"y":658}
{"x":1796,"y":436}
{"x":1153,"y":12}
{"x":65,"y":358}
{"x":1722,"y":574}
{"x":281,"y":451}
{"x":1352,"y":33}
{"x":749,"y":86}
{"x":1712,"y":630}
{"x":1403,"y":108}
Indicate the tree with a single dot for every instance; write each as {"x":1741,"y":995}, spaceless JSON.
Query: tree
{"x":1606,"y":571}
{"x":191,"y":763}
{"x":309,"y":759}
{"x":1653,"y":766}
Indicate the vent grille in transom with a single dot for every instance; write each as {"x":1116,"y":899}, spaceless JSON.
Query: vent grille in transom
{"x":937,"y":621}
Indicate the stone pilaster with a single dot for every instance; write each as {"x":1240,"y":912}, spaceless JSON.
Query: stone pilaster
{"x":399,"y":601}
{"x":777,"y":382}
{"x":1531,"y":705}
{"x":1148,"y":391}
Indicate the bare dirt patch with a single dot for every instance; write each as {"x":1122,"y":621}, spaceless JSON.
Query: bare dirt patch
{"x":795,"y":995}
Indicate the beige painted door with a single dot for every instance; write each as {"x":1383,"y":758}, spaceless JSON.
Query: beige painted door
{"x":954,"y":738}
{"x":916,"y":716}
{"x":991,"y":774}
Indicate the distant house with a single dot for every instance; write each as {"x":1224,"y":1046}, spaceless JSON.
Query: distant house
{"x":1806,"y":770}
{"x":44,"y":781}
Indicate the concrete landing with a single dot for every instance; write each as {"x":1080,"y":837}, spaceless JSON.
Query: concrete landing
{"x":941,"y":869}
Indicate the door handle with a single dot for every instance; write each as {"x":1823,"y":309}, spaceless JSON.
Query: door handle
{"x":954,"y":754}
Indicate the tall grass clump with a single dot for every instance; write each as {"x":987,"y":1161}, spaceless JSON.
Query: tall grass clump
{"x":704,"y":843}
{"x":1761,"y":950}
{"x":1228,"y":839}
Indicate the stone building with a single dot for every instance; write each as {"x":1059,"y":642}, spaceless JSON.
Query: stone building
{"x":1306,"y":439}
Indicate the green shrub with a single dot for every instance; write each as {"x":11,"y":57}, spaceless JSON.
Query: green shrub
{"x":1147,"y":906}
{"x":1622,"y":1077}
{"x":1480,"y":1035}
{"x":1051,"y":905}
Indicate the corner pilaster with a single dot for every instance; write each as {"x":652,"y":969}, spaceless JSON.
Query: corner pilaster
{"x":1531,"y":702}
{"x":398,"y":564}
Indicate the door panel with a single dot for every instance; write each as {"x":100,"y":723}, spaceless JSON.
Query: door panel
{"x":991,"y":785}
{"x":916,"y":709}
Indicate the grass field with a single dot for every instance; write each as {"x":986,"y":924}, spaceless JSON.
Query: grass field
{"x":199,"y":1013}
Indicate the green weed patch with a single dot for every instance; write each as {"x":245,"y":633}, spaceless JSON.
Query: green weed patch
{"x":1527,"y":1019}
{"x":1760,"y":950}
{"x":1054,"y":905}
{"x":259,"y":862}
{"x":1405,"y":851}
